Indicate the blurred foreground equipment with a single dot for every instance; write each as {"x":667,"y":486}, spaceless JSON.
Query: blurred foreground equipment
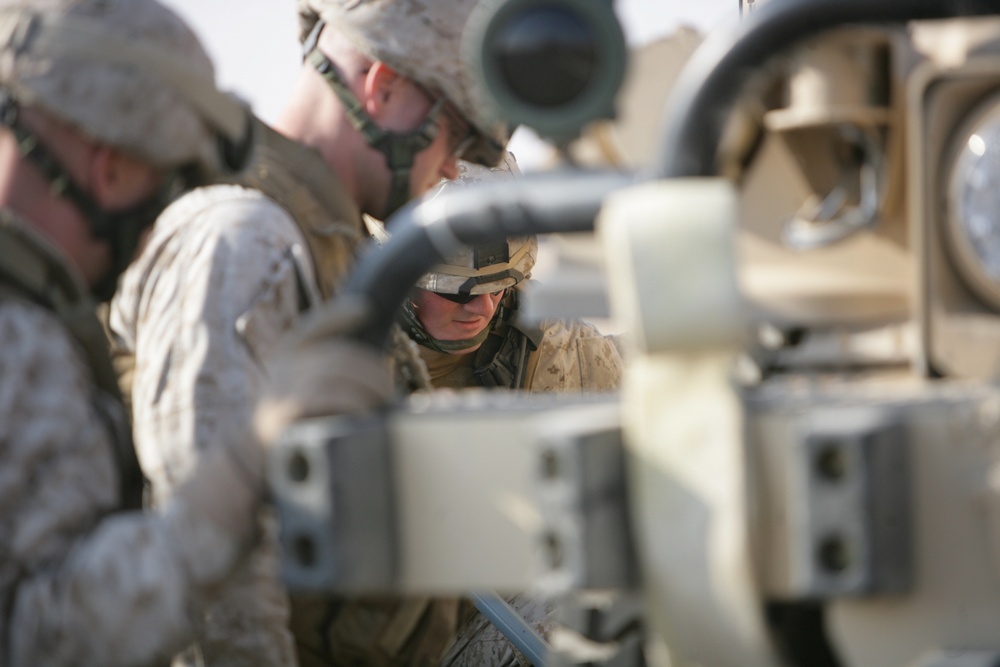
{"x":801,"y":468}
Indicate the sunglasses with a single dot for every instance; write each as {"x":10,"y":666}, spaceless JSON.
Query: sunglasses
{"x":466,"y":298}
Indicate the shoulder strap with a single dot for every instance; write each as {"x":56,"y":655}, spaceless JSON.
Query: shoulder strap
{"x":32,"y":269}
{"x":300,"y":181}
{"x":501,"y":360}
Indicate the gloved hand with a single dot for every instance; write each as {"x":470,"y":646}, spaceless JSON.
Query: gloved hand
{"x":320,"y":374}
{"x":214,"y":515}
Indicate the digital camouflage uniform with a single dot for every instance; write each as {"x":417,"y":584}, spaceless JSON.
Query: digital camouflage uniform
{"x":228,"y":269}
{"x":83,"y":582}
{"x":572,"y":356}
{"x":555,"y":356}
{"x":226,"y":272}
{"x":80,"y":582}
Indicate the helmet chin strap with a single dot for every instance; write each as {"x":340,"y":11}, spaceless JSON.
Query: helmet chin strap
{"x":413,"y":327}
{"x":399,"y":148}
{"x":121,"y":230}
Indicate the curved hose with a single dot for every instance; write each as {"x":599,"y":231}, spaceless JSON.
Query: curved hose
{"x":423,"y":235}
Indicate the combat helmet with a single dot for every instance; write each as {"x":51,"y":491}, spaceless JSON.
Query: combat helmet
{"x":420,"y":40}
{"x":126,"y":73}
{"x":483,"y":268}
{"x":486,"y":267}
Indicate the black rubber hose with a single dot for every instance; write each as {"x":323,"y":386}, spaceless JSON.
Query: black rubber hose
{"x":713,"y":79}
{"x":423,"y":235}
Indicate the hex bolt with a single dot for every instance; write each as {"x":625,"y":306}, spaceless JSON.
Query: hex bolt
{"x":304,"y":550}
{"x":834,"y":554}
{"x":831,"y":461}
{"x":298,"y":467}
{"x":553,"y":550}
{"x":550,"y":464}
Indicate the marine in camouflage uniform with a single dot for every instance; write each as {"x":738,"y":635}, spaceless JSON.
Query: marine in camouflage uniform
{"x":506,"y":353}
{"x":97,"y":130}
{"x":380,"y":114}
{"x":555,"y":355}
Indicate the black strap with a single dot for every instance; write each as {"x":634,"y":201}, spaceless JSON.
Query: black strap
{"x":400,"y":148}
{"x":121,"y":229}
{"x":502,"y":359}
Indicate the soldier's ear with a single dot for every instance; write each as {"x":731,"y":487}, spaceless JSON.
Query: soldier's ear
{"x":119,"y":180}
{"x":381,"y":84}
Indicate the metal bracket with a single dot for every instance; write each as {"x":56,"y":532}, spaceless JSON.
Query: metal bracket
{"x":836,"y":505}
{"x":443,"y":496}
{"x":333,"y":488}
{"x":587,"y":540}
{"x":833,"y":219}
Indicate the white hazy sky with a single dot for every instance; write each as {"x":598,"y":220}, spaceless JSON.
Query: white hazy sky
{"x":254,"y":43}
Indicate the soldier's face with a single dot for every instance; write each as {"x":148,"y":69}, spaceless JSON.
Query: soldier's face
{"x":444,"y":319}
{"x":403,"y":106}
{"x":439,"y":160}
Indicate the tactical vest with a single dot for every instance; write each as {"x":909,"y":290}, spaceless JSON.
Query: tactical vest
{"x":505,"y":359}
{"x":296,"y":178}
{"x":31,"y":270}
{"x":299,"y":180}
{"x":341,"y":631}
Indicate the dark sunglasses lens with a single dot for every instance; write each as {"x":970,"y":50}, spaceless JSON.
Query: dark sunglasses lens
{"x":457,"y":298}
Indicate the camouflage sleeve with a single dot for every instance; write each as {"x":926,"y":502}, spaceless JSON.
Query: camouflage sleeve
{"x":575,"y":356}
{"x":202,"y":308}
{"x":76,"y":587}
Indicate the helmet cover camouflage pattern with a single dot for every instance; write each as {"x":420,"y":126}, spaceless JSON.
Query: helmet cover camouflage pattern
{"x":420,"y":39}
{"x":501,"y":265}
{"x":109,"y":98}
